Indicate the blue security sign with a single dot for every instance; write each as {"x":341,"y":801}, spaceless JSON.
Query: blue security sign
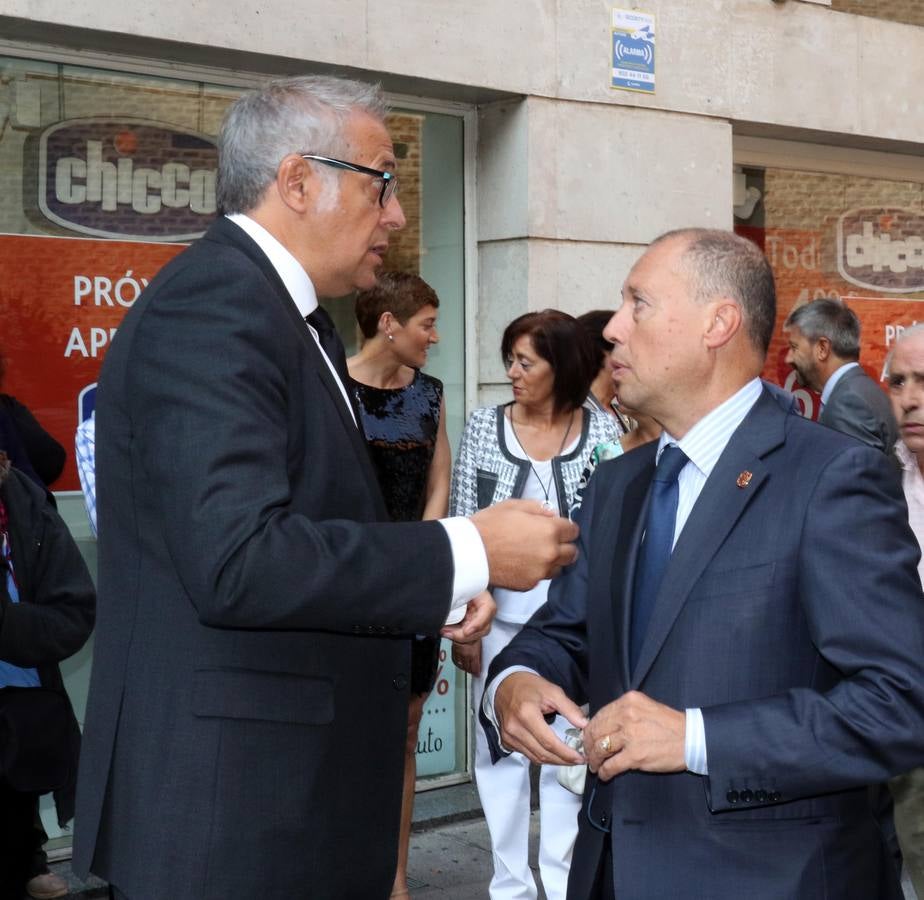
{"x":633,"y":51}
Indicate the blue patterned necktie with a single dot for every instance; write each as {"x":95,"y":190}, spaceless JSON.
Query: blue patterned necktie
{"x":656,"y":546}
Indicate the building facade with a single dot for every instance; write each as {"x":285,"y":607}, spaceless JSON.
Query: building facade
{"x":528,"y":178}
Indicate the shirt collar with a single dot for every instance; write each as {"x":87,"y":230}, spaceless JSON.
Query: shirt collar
{"x":289,"y":269}
{"x":704,"y":442}
{"x":905,"y":456}
{"x":836,"y":376}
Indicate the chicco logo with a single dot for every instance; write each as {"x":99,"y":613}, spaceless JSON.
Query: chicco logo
{"x":127,"y":178}
{"x":882,"y":248}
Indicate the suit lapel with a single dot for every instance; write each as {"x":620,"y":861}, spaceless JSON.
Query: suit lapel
{"x":625,"y":557}
{"x":225,"y":231}
{"x":718,"y":507}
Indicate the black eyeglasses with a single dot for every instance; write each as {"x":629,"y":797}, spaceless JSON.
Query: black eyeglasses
{"x":389,"y":179}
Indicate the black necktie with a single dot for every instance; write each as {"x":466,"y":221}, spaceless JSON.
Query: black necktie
{"x":656,"y":545}
{"x":330,"y":341}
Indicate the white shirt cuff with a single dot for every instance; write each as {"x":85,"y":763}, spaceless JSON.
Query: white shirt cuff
{"x":487,"y":702}
{"x":694,"y":745}
{"x":470,"y":562}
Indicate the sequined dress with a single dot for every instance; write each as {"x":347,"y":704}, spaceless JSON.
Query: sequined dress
{"x":401,"y":426}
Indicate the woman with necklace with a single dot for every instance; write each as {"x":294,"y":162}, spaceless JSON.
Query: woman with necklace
{"x":535,"y":447}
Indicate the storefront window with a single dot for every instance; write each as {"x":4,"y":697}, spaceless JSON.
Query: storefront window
{"x":104,"y":177}
{"x":856,"y":238}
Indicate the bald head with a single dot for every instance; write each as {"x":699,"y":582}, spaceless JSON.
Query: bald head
{"x":724,"y":264}
{"x":906,"y":388}
{"x":697,"y":312}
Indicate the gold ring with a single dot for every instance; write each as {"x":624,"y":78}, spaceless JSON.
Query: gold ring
{"x":605,"y":744}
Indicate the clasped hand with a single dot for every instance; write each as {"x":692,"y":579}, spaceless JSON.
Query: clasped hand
{"x":632,"y":732}
{"x":635,"y":732}
{"x":479,"y":613}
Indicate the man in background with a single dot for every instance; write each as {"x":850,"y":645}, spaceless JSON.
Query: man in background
{"x":824,"y":350}
{"x":906,"y":387}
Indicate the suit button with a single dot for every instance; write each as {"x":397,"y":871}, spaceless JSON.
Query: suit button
{"x":399,"y":682}
{"x":732,"y":796}
{"x":760,"y":796}
{"x":775,"y":795}
{"x":746,"y":796}
{"x":604,"y":819}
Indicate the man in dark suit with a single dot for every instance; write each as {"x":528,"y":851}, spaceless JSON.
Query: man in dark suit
{"x":248,"y":704}
{"x":745,"y":689}
{"x":824,"y":350}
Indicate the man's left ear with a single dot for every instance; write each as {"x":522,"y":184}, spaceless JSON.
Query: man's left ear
{"x":294,"y":182}
{"x":725,"y":324}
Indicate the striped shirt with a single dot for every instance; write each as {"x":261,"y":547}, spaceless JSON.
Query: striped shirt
{"x":704,"y":443}
{"x":85,"y":447}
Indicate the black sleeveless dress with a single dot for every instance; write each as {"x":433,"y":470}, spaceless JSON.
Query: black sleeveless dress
{"x":401,"y":426}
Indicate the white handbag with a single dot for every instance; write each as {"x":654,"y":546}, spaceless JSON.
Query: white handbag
{"x":572,"y":777}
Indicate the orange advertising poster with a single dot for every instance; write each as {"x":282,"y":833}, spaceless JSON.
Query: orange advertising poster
{"x":804,"y":269}
{"x":61,"y":301}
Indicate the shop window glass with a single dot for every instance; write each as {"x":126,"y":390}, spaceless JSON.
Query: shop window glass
{"x":105,"y":176}
{"x":828,"y":235}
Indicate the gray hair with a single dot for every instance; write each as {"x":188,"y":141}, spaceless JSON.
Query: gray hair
{"x":724,"y":264}
{"x":289,"y":115}
{"x":830,"y":319}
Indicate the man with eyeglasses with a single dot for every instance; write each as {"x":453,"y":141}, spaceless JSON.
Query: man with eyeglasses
{"x":247,"y":710}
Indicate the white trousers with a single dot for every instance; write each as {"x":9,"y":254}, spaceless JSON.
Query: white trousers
{"x":504,"y":792}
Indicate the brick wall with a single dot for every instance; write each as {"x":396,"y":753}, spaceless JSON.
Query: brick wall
{"x":911,"y":12}
{"x":406,"y":131}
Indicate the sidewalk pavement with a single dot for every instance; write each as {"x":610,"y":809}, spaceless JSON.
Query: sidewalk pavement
{"x":453,"y":861}
{"x":447,"y":862}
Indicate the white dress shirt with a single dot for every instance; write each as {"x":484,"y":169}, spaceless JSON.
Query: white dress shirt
{"x":703,"y":444}
{"x":470,"y":562}
{"x":913,"y":486}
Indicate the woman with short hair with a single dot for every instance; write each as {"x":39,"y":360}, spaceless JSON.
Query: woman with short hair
{"x":403,"y":416}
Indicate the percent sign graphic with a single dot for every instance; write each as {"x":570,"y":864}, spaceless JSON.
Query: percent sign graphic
{"x":442,"y":684}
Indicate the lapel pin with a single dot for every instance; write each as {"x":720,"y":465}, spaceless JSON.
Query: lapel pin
{"x":744,"y":479}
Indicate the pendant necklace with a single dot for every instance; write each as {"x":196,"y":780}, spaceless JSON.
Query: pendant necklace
{"x":545,"y":490}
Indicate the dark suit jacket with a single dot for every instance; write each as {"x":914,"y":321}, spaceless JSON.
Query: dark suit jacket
{"x":54,"y":615}
{"x":248,"y":703}
{"x":791,"y":613}
{"x":859,"y":407}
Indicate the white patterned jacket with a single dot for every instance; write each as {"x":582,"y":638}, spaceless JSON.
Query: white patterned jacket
{"x":486,"y":472}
